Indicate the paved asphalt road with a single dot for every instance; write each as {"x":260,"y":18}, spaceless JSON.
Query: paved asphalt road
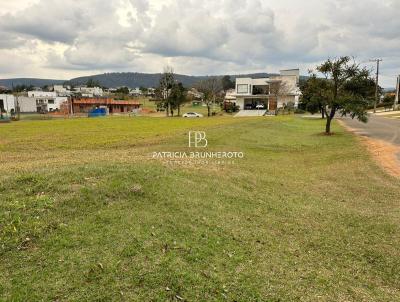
{"x":377,"y":127}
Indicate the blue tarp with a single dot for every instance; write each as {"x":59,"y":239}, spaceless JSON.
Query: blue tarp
{"x":97,"y":112}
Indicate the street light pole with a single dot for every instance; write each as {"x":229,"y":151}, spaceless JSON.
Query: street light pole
{"x":396,"y":101}
{"x":376,"y":82}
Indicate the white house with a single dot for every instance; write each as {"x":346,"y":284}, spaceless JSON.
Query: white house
{"x":273,"y":92}
{"x":135,"y":91}
{"x":89,"y":91}
{"x":7,"y":103}
{"x":26,"y":104}
{"x":45,"y":101}
{"x":151,"y":92}
{"x":36,"y":101}
{"x":230,"y":96}
{"x":42,"y":94}
{"x":62,"y":90}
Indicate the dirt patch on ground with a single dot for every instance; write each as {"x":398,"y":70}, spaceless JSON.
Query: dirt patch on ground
{"x":384,"y":153}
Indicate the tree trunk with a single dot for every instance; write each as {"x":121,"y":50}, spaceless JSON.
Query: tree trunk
{"x":167,"y":109}
{"x":179,"y":110}
{"x":208,"y":110}
{"x":328,"y":125}
{"x":329,"y":118}
{"x":322,"y":113}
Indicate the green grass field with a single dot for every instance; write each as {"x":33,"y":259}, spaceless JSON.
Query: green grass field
{"x":87,"y":215}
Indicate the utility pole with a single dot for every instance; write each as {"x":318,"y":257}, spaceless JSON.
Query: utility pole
{"x":71,"y":107}
{"x":377,"y":82}
{"x":396,"y":101}
{"x":18,"y":108}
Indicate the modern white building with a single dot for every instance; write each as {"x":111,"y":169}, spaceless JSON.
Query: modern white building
{"x":35,"y":101}
{"x":45,"y":101}
{"x":89,"y":92}
{"x":273,"y":92}
{"x":7,"y":103}
{"x":135,"y":91}
{"x":26,"y":104}
{"x":42,"y":94}
{"x":62,"y":90}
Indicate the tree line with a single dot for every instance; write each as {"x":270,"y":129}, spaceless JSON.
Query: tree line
{"x":171,"y":94}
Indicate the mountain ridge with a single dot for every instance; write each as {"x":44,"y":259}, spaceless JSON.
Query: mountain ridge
{"x":118,"y":79}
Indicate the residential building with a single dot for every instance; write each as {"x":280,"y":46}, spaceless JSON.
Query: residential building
{"x":26,"y":104}
{"x":84,"y":105}
{"x":62,"y":90}
{"x":230,"y":96}
{"x":42,"y":94}
{"x":46,"y":101}
{"x":7,"y":103}
{"x":10,"y":102}
{"x":273,"y":92}
{"x":135,"y":91}
{"x":89,"y":92}
{"x":151,"y":92}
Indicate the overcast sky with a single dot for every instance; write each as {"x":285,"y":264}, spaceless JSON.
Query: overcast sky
{"x":67,"y":38}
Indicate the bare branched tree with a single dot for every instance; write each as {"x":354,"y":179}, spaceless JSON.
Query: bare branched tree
{"x":279,"y":89}
{"x":211,"y":88}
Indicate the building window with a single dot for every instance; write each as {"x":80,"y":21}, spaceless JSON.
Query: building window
{"x":242,"y":88}
{"x":50,"y":101}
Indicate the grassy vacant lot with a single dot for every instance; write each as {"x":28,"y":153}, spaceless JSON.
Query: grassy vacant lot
{"x":87,"y":215}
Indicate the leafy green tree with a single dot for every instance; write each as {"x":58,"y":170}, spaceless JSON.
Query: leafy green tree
{"x":92,"y":83}
{"x":388,"y":100}
{"x":143,"y":89}
{"x":22,"y":88}
{"x":314,"y":94}
{"x":348,"y":90}
{"x":227,"y":83}
{"x":177,"y":97}
{"x":122,"y":90}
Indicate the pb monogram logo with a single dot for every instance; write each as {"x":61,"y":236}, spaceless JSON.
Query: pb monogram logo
{"x":197,"y":139}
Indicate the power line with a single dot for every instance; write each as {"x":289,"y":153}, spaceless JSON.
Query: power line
{"x":377,"y":81}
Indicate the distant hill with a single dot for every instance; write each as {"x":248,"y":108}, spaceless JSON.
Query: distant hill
{"x":29,"y":81}
{"x":136,"y":79}
{"x":117,"y":79}
{"x":132,"y":79}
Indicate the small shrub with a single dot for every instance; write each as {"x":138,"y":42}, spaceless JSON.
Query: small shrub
{"x":299,"y":111}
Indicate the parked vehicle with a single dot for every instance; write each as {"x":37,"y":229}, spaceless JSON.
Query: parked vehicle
{"x":192,"y":114}
{"x":260,"y":106}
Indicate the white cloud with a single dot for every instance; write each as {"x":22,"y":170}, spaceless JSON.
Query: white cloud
{"x":50,"y":38}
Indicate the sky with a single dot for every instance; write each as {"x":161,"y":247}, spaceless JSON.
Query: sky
{"x":62,"y":39}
